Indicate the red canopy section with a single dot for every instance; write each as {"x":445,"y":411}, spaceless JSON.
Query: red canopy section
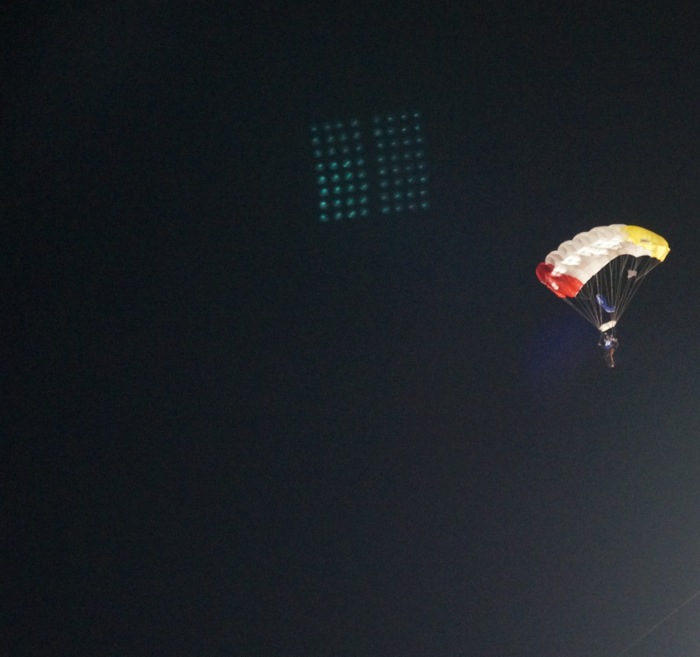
{"x":562,"y":285}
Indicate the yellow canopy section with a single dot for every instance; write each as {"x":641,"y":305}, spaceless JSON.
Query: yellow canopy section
{"x":655,"y":244}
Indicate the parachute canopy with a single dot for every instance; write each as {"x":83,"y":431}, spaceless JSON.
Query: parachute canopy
{"x":599,"y":271}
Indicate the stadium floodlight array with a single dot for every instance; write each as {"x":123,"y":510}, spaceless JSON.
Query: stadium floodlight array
{"x":341,"y":170}
{"x":401,"y":167}
{"x":382,"y":169}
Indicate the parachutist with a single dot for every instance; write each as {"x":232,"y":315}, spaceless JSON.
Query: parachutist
{"x":598,"y":272}
{"x":608,"y":343}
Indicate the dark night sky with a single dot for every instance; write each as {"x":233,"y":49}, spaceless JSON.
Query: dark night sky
{"x":234,"y":430}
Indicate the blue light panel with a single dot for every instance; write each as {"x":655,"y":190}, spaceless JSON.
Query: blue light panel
{"x":401,"y":167}
{"x":341,"y":170}
{"x":383,"y":169}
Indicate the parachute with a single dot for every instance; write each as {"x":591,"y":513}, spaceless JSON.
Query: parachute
{"x":598,"y":272}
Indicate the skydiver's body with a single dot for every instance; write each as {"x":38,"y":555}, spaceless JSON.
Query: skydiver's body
{"x":608,"y":343}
